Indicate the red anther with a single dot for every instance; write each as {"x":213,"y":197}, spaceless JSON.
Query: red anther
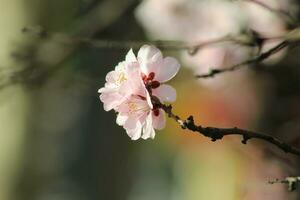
{"x":144,"y":77}
{"x":155,"y":84}
{"x":156,"y":112}
{"x":143,"y":98}
{"x":151,"y":76}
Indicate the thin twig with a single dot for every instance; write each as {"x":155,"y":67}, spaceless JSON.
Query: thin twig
{"x":246,"y":63}
{"x":242,"y":39}
{"x":218,"y":133}
{"x":251,"y":40}
{"x":291,"y":181}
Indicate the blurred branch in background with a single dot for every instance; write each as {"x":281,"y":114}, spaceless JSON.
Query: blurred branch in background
{"x":99,"y":18}
{"x":69,"y":43}
{"x":257,"y":59}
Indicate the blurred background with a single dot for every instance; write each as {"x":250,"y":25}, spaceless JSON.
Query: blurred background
{"x":58,"y":143}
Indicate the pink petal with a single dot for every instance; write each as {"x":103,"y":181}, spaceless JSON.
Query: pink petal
{"x":131,"y":122}
{"x":111,"y":100}
{"x":123,"y":108}
{"x":134,"y":85}
{"x":111,"y":77}
{"x":168,"y":69}
{"x":130,"y":57}
{"x":132,"y":69}
{"x":159,"y":122}
{"x":149,"y":53}
{"x":165,"y":93}
{"x":148,"y":130}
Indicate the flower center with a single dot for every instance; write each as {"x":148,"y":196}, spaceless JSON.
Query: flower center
{"x":137,"y":108}
{"x":121,"y":78}
{"x":132,"y":107}
{"x":149,"y":82}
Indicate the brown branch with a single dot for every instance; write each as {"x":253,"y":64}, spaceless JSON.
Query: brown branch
{"x":246,"y":63}
{"x":292,"y":38}
{"x":291,"y":181}
{"x":218,"y":133}
{"x":242,"y":39}
{"x":247,"y":39}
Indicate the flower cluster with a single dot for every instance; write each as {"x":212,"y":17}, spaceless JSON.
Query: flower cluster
{"x":136,"y":89}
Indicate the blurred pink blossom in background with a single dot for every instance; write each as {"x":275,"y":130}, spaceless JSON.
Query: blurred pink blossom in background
{"x":195,"y":21}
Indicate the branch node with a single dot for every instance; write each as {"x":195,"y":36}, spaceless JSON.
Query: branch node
{"x":215,"y":71}
{"x":291,"y":181}
{"x":192,"y":50}
{"x":213,"y":133}
{"x":189,"y":123}
{"x":218,"y":133}
{"x":245,"y":139}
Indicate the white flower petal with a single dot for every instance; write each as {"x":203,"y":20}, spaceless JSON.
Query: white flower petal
{"x":149,"y":58}
{"x":148,"y":98}
{"x":130,"y":57}
{"x":159,"y":122}
{"x":152,"y":135}
{"x":107,"y":89}
{"x":148,"y":67}
{"x":168,"y":69}
{"x":148,"y":130}
{"x":120,"y":67}
{"x":149,"y":53}
{"x":165,"y":93}
{"x":135,"y":133}
{"x":121,"y":119}
{"x":101,"y":90}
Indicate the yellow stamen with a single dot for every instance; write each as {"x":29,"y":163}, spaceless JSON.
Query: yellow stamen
{"x":122,"y":77}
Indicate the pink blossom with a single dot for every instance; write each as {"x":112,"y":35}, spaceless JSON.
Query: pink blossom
{"x":115,"y":92}
{"x":157,"y":70}
{"x":189,"y":20}
{"x":136,"y":87}
{"x":139,"y":119}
